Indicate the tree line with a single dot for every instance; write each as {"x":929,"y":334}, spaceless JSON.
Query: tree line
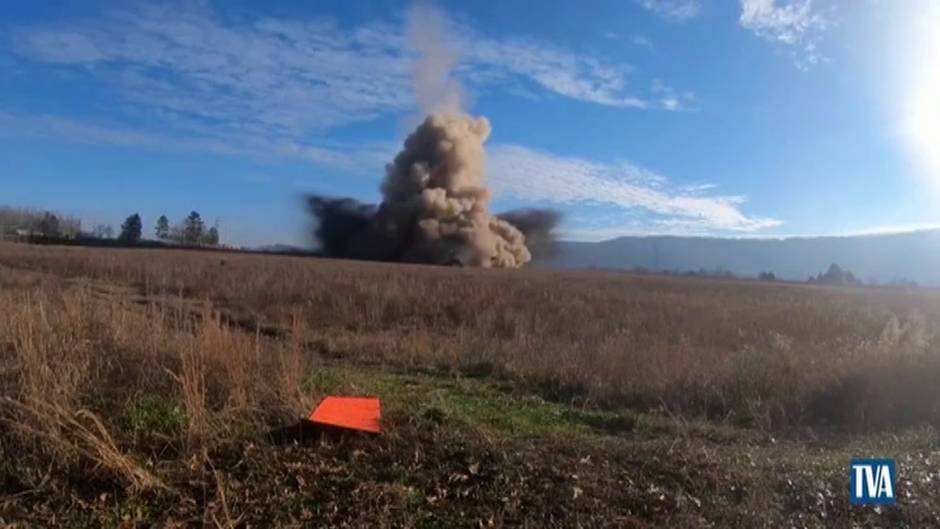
{"x":191,"y":231}
{"x":20,"y":222}
{"x":31,"y":224}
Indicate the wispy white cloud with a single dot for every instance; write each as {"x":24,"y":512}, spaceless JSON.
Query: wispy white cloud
{"x":534,"y":175}
{"x":698,"y":188}
{"x":673,"y":10}
{"x":637,"y":39}
{"x":286,"y":78}
{"x":669,"y":99}
{"x":366,"y":158}
{"x":624,"y":227}
{"x":642,"y":41}
{"x":57,"y":127}
{"x":270,"y":76}
{"x":791,"y":23}
{"x":361,"y":158}
{"x":578,"y":77}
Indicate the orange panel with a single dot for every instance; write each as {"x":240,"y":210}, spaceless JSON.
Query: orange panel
{"x":355,"y":413}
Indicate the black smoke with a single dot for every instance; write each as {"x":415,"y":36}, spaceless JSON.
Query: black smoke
{"x":538,"y":225}
{"x":348,"y":229}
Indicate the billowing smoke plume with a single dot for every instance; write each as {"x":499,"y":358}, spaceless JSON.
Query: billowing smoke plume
{"x":435,"y":198}
{"x":434,"y":208}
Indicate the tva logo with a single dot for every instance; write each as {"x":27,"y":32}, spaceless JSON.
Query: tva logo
{"x":873,"y":482}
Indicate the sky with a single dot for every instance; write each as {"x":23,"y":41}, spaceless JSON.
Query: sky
{"x":750,"y":118}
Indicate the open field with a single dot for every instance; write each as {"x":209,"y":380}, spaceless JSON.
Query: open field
{"x":147,"y":387}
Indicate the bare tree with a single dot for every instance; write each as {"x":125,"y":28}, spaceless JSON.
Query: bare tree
{"x":103,"y":231}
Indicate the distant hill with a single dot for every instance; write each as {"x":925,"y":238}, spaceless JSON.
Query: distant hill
{"x":883,"y":258}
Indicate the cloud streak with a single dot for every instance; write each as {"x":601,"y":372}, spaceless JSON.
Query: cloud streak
{"x":534,"y":175}
{"x":673,"y":10}
{"x":362,"y":159}
{"x":282,"y":77}
{"x":794,"y":24}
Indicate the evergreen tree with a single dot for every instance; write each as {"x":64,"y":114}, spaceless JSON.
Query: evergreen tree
{"x":132,"y":229}
{"x":163,"y":228}
{"x":193,"y":228}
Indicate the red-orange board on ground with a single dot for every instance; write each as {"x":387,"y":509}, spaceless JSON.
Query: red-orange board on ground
{"x":356,"y":413}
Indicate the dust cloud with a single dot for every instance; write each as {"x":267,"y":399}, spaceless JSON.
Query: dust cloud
{"x":435,"y":198}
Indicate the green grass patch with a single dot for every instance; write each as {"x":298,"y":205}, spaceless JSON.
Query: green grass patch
{"x":151,"y":415}
{"x":471,"y":403}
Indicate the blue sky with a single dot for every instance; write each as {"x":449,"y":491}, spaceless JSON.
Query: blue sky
{"x":730,"y":118}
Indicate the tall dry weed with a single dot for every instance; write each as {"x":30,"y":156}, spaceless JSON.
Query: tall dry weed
{"x":53,"y":348}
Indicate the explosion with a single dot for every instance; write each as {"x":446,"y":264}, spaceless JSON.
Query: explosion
{"x":434,"y":208}
{"x":435,"y":201}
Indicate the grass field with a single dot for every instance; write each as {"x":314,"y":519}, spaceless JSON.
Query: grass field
{"x":154,"y":387}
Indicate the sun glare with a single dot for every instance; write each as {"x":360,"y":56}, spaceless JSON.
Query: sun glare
{"x":922,"y":112}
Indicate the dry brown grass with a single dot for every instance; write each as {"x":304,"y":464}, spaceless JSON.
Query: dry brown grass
{"x":772,"y":355}
{"x":160,"y":373}
{"x":70,"y":346}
